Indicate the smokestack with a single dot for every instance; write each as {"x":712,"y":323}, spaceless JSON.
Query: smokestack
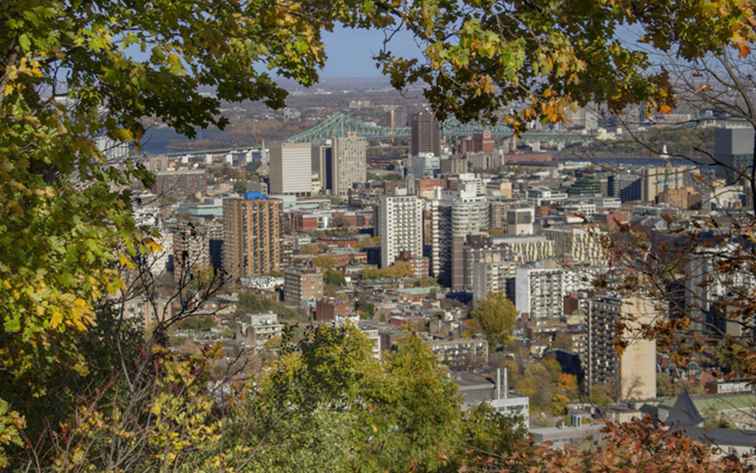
{"x":506,"y":384}
{"x":498,"y":383}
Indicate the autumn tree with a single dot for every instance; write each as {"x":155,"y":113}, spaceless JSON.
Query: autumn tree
{"x":496,"y":317}
{"x":638,"y":445}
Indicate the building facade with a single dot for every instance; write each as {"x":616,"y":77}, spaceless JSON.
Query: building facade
{"x":400,"y":227}
{"x":349,"y":163}
{"x":301,"y":286}
{"x":632,"y":375}
{"x":425,"y":134}
{"x":539,"y":292}
{"x":251,"y":235}
{"x":291,"y":168}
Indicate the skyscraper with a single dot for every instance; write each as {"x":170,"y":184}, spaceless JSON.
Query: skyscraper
{"x":400,"y":227}
{"x":426,"y":135}
{"x":251,"y":235}
{"x":291,"y":168}
{"x":349,"y":163}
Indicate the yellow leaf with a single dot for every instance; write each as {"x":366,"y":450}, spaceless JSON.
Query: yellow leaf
{"x":57,"y":318}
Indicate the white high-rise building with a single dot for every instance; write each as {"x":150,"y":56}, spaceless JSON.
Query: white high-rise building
{"x":539,"y":292}
{"x":400,"y":227}
{"x":461,"y":213}
{"x":290,"y":168}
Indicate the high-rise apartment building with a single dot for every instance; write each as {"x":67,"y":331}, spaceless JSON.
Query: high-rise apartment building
{"x":400,"y":227}
{"x":539,"y":292}
{"x":291,"y":168}
{"x":426,"y":134}
{"x":632,"y":374}
{"x":251,"y":235}
{"x":349,"y":163}
{"x":461,"y":213}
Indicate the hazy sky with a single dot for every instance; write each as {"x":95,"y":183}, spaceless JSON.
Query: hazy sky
{"x":350,"y":52}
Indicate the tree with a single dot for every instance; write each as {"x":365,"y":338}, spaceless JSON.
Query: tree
{"x":601,"y":394}
{"x":334,"y":278}
{"x":496,"y":316}
{"x":327,"y":404}
{"x":482,"y":57}
{"x":632,"y":446}
{"x":325,"y":262}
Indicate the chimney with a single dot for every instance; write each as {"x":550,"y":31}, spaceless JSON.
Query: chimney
{"x":498,"y":383}
{"x":506,"y":384}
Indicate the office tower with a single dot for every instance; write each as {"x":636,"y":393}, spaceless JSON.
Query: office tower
{"x":251,"y":235}
{"x":348,"y":163}
{"x":520,"y":221}
{"x":539,"y":292}
{"x":733,"y":148}
{"x":426,"y":135}
{"x":400,"y":227}
{"x":291,"y":168}
{"x":624,"y":186}
{"x":302,"y":286}
{"x":632,"y":374}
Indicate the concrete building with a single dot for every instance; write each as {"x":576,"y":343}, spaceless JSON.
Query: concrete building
{"x":400,"y":226}
{"x":526,"y":249}
{"x":251,"y":235}
{"x":520,"y":221}
{"x":632,"y":374}
{"x":461,"y":353}
{"x":262,"y":328}
{"x":486,"y":266}
{"x":291,"y":168}
{"x":349,"y":163}
{"x":425,"y":134}
{"x":191,"y":250}
{"x":655,"y":180}
{"x":578,"y":244}
{"x":301,"y":286}
{"x":476,"y":389}
{"x":539,"y":292}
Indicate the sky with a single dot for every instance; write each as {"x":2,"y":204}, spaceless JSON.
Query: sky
{"x":350,"y":52}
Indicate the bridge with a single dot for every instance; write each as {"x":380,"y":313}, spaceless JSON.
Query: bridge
{"x":340,"y":124}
